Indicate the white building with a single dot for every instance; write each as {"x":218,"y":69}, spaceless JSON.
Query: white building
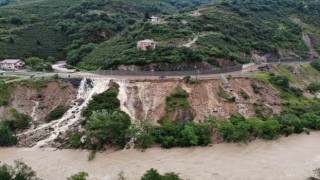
{"x":144,"y":44}
{"x":155,"y":19}
{"x":12,"y":64}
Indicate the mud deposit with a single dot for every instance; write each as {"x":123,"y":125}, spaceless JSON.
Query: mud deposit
{"x":287,"y":158}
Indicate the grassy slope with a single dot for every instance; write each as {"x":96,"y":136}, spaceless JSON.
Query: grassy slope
{"x":35,"y":36}
{"x":231,"y":32}
{"x":36,"y":33}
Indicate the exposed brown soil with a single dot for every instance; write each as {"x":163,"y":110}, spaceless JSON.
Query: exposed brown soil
{"x":147,"y":99}
{"x":50,"y":97}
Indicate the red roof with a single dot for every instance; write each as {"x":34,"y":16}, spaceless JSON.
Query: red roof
{"x":10,"y":61}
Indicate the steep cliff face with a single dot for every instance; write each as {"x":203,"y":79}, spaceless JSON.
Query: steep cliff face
{"x":140,"y":99}
{"x":38,"y":103}
{"x":147,"y":99}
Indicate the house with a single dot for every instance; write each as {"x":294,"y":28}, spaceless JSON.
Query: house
{"x":144,"y":44}
{"x":195,"y":13}
{"x":12,"y":64}
{"x":155,"y":19}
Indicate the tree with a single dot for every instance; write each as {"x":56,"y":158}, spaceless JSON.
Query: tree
{"x":270,"y":130}
{"x":146,"y":15}
{"x":20,"y":121}
{"x":105,"y":127}
{"x":189,"y":136}
{"x":20,"y":171}
{"x":226,"y":130}
{"x":6,"y":136}
{"x":34,"y":61}
{"x":52,"y":59}
{"x":314,"y":87}
{"x":151,"y":174}
{"x":79,"y":176}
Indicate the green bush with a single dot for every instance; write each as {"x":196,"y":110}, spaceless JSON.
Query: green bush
{"x":20,"y":171}
{"x":316,"y":64}
{"x":56,"y":113}
{"x":103,"y":128}
{"x":281,"y":81}
{"x":144,"y":140}
{"x":4,"y":93}
{"x":314,"y":87}
{"x":107,"y":100}
{"x":7,"y":137}
{"x":153,"y":174}
{"x":74,"y":139}
{"x":20,"y":121}
{"x":79,"y":176}
{"x":256,"y":88}
{"x":244,"y":95}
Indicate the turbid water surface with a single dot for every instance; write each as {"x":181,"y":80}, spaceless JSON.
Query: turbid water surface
{"x":288,"y":158}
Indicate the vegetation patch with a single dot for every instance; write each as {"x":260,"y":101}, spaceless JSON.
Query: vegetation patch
{"x":225,"y":95}
{"x":19,"y":171}
{"x":178,"y":99}
{"x":153,"y":174}
{"x":316,"y":64}
{"x":171,"y":134}
{"x":107,"y":100}
{"x":56,"y":113}
{"x":4,"y":93}
{"x":244,"y":94}
{"x":105,"y":123}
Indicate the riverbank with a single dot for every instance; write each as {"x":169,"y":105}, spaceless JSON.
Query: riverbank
{"x":291,"y":158}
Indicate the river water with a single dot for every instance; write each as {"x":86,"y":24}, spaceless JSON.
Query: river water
{"x":287,"y":158}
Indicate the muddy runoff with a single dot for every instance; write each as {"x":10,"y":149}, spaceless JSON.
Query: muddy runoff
{"x":291,"y":158}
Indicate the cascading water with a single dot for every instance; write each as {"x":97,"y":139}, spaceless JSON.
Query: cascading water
{"x":126,"y":104}
{"x":87,"y":88}
{"x":34,"y":111}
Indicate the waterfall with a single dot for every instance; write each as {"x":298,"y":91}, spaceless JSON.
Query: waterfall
{"x":126,"y":103}
{"x":87,"y":88}
{"x":34,"y":111}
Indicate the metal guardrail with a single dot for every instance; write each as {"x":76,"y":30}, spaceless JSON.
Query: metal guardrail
{"x":290,"y":60}
{"x":171,"y":73}
{"x":195,"y":72}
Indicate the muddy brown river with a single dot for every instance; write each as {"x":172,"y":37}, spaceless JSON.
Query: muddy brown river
{"x":291,"y":158}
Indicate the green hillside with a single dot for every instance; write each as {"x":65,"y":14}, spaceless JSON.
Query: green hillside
{"x":58,"y":27}
{"x":228,"y":31}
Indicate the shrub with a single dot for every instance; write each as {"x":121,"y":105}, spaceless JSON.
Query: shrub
{"x":244,"y":95}
{"x":20,"y":171}
{"x":56,"y":113}
{"x":104,"y":128}
{"x":270,"y":129}
{"x":107,"y":100}
{"x":281,"y":81}
{"x":256,"y":88}
{"x":4,"y":93}
{"x":153,"y":174}
{"x":6,"y":136}
{"x":74,"y":139}
{"x":314,"y":87}
{"x":144,"y":140}
{"x":20,"y":121}
{"x":79,"y":176}
{"x":316,"y":64}
{"x":187,"y":79}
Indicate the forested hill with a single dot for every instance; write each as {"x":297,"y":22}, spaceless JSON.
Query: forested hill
{"x":56,"y":27}
{"x":226,"y":33}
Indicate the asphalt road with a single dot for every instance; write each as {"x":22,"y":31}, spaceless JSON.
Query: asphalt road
{"x":64,"y":73}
